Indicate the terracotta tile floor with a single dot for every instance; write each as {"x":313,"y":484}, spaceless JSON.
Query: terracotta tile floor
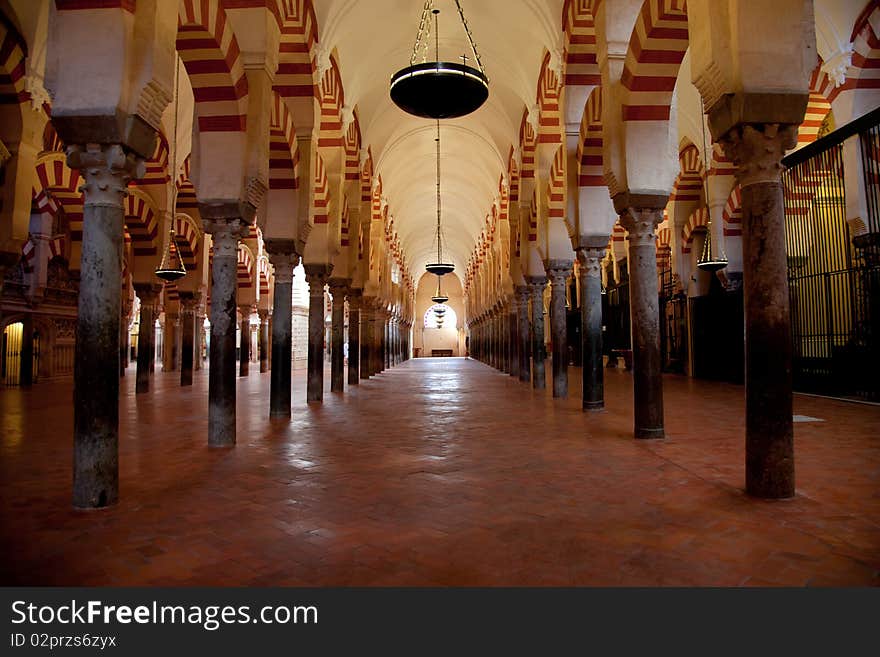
{"x":438,"y":472}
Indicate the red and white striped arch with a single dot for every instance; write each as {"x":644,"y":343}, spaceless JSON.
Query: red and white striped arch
{"x":699,"y":218}
{"x":13,"y":51}
{"x":157,"y":166}
{"x":528,"y":142}
{"x":62,"y":183}
{"x":332,"y":99}
{"x":187,"y":237}
{"x":556,"y":190}
{"x":141,"y":220}
{"x":591,"y":171}
{"x":366,"y":170}
{"x":352,"y":145}
{"x":512,"y":176}
{"x":657,"y":46}
{"x":689,"y":182}
{"x":245,"y":267}
{"x":581,"y":64}
{"x":283,"y":152}
{"x":265,"y":271}
{"x":210,"y":53}
{"x":733,"y":213}
{"x":550,"y":126}
{"x":320,"y":192}
{"x":295,"y":77}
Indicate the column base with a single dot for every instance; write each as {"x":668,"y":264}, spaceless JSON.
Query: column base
{"x":594,"y":406}
{"x":649,"y":434}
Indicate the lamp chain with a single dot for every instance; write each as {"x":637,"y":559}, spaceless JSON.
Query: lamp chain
{"x":470,"y":37}
{"x":423,"y":30}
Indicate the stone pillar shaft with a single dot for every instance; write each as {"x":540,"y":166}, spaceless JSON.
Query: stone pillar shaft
{"x":558,"y":272}
{"x":757,"y":151}
{"x":225,"y":232}
{"x":263,"y":342}
{"x":283,"y":259}
{"x":317,"y":276}
{"x":593,"y":397}
{"x":536,"y":285}
{"x":338,"y":289}
{"x":367,"y":311}
{"x":149,"y":297}
{"x":187,"y":320}
{"x":523,"y":333}
{"x":106,"y":171}
{"x":244,"y":351}
{"x":354,"y":337}
{"x":640,"y":218}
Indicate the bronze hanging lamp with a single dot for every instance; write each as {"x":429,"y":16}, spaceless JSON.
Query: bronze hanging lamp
{"x":712,"y":258}
{"x":439,"y":267}
{"x":439,"y":298}
{"x":171,"y":267}
{"x":439,"y":90}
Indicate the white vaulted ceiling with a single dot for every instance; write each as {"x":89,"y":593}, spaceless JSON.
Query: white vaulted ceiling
{"x":372,"y":40}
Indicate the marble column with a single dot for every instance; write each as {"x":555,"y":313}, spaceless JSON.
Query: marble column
{"x":148,"y":294}
{"x":106,"y":171}
{"x":263,"y":341}
{"x":368,"y":308}
{"x":188,"y":304}
{"x":355,"y":299}
{"x":198,"y":336}
{"x":536,"y":288}
{"x":513,"y":333}
{"x":124,"y":320}
{"x":172,"y":331}
{"x":558,"y":272}
{"x":640,"y":214}
{"x":317,"y":276}
{"x":225,"y":225}
{"x":379,"y":337}
{"x":757,"y":150}
{"x":338,"y":289}
{"x":244,"y":343}
{"x":590,"y":279}
{"x":523,"y":333}
{"x":282,"y":255}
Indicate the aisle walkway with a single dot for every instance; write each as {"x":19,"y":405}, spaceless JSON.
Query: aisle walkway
{"x":438,"y":472}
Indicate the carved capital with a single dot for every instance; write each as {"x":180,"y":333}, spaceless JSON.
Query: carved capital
{"x":148,"y":293}
{"x":640,"y":224}
{"x":590,"y":260}
{"x":757,"y":150}
{"x":317,"y":276}
{"x":225,"y":233}
{"x":339,"y":287}
{"x":106,"y":171}
{"x":558,"y":271}
{"x":188,"y":302}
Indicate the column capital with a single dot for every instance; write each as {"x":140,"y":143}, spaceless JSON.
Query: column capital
{"x":355,"y":298}
{"x":225,"y":233}
{"x":558,"y":271}
{"x":757,"y":150}
{"x":640,"y":215}
{"x":246,"y":309}
{"x":590,"y":260}
{"x":188,"y":302}
{"x":339,"y":286}
{"x":106,"y":170}
{"x":317,"y":276}
{"x":264,"y":314}
{"x":148,"y":293}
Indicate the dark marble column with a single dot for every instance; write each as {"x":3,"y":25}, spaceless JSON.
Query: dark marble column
{"x":226,"y":228}
{"x":493,"y":340}
{"x":188,"y":304}
{"x":536,"y":287}
{"x":590,"y":275}
{"x":523,"y":333}
{"x":558,"y":272}
{"x":379,"y":337}
{"x":368,"y":308}
{"x":282,"y":255}
{"x":338,"y":289}
{"x":355,"y":300}
{"x":124,"y":321}
{"x":317,"y":276}
{"x":513,"y":332}
{"x":27,"y":351}
{"x":244,"y":346}
{"x":640,"y":215}
{"x":148,"y":294}
{"x":263,"y":342}
{"x":757,"y":150}
{"x":106,"y":171}
{"x":172,"y":335}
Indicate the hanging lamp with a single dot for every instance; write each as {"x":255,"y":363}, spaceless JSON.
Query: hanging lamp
{"x":171,"y":267}
{"x":439,"y":90}
{"x":439,"y":297}
{"x":439,"y":268}
{"x":711,"y":259}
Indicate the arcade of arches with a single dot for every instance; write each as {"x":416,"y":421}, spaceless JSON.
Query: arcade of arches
{"x":287,"y":411}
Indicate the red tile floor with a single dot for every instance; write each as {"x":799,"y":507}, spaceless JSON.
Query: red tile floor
{"x":438,"y":472}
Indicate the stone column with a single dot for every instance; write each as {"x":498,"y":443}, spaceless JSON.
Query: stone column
{"x":244,"y":343}
{"x":536,"y":287}
{"x":355,"y":298}
{"x":379,"y":337}
{"x":27,"y":351}
{"x":756,"y":150}
{"x":513,"y":333}
{"x":558,"y":272}
{"x":172,"y":331}
{"x":338,"y":289}
{"x":317,"y":276}
{"x":282,"y":255}
{"x":639,"y":215}
{"x":225,"y":225}
{"x":368,"y":308}
{"x":124,"y":319}
{"x":188,"y":304}
{"x":263,"y":342}
{"x":148,"y":294}
{"x":524,"y":333}
{"x":590,"y":275}
{"x":106,"y":171}
{"x":198,"y":335}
